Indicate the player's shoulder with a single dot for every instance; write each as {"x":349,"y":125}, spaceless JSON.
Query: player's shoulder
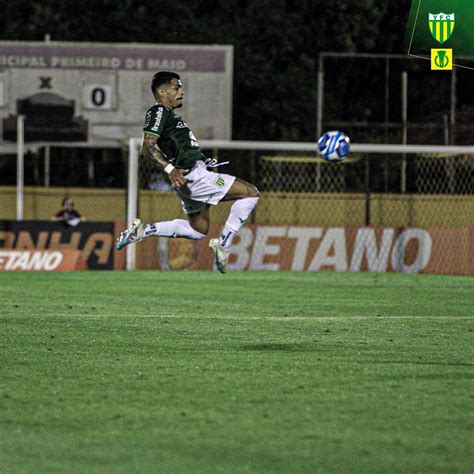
{"x":156,"y":118}
{"x":158,"y":109}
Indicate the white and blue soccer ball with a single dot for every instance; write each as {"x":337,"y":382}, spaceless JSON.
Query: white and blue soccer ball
{"x":334,"y":146}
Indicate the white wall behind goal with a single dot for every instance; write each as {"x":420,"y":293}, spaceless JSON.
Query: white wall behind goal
{"x":109,"y":83}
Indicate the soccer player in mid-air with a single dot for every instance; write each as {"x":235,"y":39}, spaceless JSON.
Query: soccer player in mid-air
{"x":169,"y":142}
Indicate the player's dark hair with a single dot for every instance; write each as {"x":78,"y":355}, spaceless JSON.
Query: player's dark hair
{"x":162,"y":77}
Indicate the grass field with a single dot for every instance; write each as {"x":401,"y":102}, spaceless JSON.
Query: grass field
{"x":246,"y":372}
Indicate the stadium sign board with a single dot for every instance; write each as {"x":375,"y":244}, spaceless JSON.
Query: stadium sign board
{"x":446,"y":250}
{"x":30,"y":245}
{"x":99,"y":92}
{"x":41,"y":260}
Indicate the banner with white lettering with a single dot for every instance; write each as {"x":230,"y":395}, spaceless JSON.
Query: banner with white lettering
{"x":99,"y":92}
{"x":95,"y":240}
{"x":42,"y":260}
{"x":384,"y":249}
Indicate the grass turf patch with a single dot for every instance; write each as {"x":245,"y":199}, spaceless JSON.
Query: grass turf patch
{"x":247,"y":372}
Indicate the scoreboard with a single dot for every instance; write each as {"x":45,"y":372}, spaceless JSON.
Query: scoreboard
{"x":99,"y":92}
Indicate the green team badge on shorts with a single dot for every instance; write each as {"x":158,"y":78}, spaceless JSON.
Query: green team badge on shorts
{"x":219,"y":181}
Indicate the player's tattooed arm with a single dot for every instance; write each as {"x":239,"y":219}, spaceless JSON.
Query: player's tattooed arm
{"x":151,"y":151}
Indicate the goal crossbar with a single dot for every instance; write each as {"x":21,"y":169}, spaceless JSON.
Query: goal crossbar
{"x":311,"y":147}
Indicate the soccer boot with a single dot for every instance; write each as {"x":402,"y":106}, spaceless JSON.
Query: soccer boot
{"x":221,"y":255}
{"x":131,"y":235}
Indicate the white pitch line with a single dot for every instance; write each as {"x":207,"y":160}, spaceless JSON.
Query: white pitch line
{"x":304,"y":318}
{"x":256,"y":318}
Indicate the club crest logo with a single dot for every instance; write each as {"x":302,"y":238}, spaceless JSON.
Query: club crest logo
{"x":441,"y":26}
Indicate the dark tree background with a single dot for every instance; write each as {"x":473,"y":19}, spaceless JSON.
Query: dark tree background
{"x":276,"y":44}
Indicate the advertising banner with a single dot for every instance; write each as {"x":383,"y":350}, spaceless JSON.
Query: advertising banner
{"x":387,"y":249}
{"x":94,"y":240}
{"x":42,"y":260}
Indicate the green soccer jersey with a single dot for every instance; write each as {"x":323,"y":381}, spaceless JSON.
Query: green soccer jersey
{"x":176,"y":141}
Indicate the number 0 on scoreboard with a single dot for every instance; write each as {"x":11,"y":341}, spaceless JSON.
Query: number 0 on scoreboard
{"x":97,"y":96}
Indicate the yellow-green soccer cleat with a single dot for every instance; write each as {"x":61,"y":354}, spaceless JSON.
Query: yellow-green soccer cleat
{"x":221,"y":255}
{"x":131,"y":235}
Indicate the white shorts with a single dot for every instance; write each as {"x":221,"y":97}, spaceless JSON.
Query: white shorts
{"x":203,"y":187}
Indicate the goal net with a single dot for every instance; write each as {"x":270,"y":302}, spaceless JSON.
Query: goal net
{"x":406,"y":208}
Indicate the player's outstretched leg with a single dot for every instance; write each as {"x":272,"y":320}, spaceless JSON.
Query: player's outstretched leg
{"x":172,"y":229}
{"x":178,"y":228}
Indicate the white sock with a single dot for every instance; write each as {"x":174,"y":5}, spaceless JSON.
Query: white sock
{"x":239,"y":213}
{"x":173,"y":229}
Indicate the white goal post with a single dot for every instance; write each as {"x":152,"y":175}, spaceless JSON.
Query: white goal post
{"x":388,"y":150}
